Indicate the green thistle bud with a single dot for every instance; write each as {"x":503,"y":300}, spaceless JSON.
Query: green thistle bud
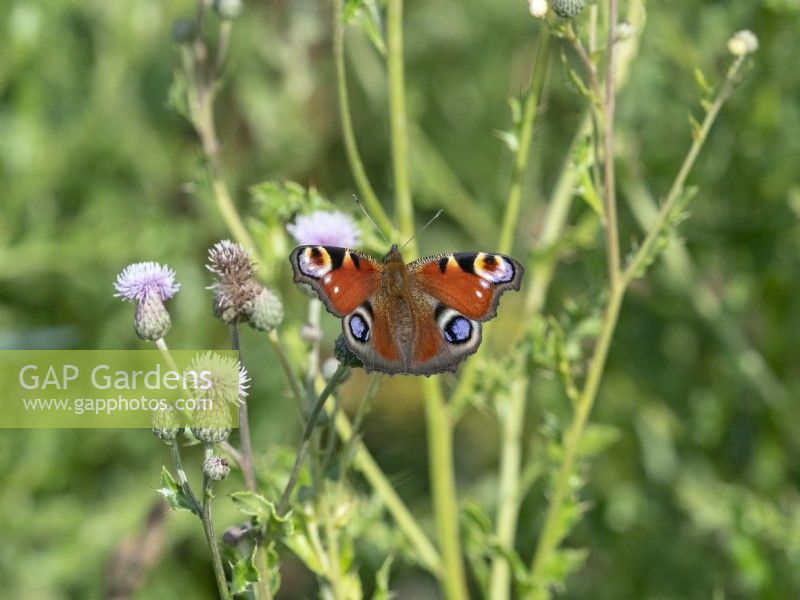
{"x":216,"y":468}
{"x":212,"y":425}
{"x":343,"y":353}
{"x":227,"y":9}
{"x":167,"y":424}
{"x":568,"y":9}
{"x":184,"y":31}
{"x":151,"y":321}
{"x":266,"y":311}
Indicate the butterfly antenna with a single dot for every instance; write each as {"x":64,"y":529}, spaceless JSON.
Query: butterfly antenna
{"x":374,"y":224}
{"x":423,"y":228}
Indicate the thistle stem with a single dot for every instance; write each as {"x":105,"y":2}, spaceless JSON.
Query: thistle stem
{"x":338,"y":375}
{"x":211,"y":536}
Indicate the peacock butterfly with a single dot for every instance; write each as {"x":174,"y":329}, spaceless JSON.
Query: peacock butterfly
{"x":419,"y":318}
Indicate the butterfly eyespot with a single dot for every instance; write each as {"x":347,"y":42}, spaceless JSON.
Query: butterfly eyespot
{"x":494,"y":268}
{"x":359,"y":328}
{"x":458,"y":330}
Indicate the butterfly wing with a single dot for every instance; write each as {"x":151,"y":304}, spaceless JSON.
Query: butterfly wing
{"x":342,"y":278}
{"x":470,"y":283}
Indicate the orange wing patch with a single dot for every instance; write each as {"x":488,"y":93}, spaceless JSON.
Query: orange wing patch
{"x":465,"y":292}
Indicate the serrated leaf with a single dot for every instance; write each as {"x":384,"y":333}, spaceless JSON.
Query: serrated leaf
{"x":173,"y":493}
{"x":264,"y":513}
{"x":244,"y":573}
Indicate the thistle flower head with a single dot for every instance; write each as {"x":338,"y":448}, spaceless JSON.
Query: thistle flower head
{"x":139,"y":280}
{"x":236,"y":287}
{"x":231,"y":261}
{"x":743,"y":42}
{"x":325,"y":229}
{"x":219,"y":378}
{"x":216,"y":468}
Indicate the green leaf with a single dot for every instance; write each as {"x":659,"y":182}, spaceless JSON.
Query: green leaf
{"x":264,"y":513}
{"x":589,"y":193}
{"x":382,"y":580}
{"x":516,"y":111}
{"x":596,"y":438}
{"x":702,"y":83}
{"x":173,"y":493}
{"x":509,"y":138}
{"x":244,"y":573}
{"x":697,"y":129}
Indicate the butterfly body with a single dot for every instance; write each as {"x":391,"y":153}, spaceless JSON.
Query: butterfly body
{"x":417,"y":319}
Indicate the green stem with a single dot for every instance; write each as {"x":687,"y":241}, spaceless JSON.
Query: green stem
{"x":551,"y":530}
{"x":609,"y":106}
{"x":680,"y":180}
{"x":183,"y":481}
{"x":283,"y":505}
{"x":398,"y":123}
{"x":443,"y":488}
{"x":211,"y":537}
{"x":291,"y":376}
{"x":513,"y":201}
{"x":406,"y":523}
{"x":351,"y":147}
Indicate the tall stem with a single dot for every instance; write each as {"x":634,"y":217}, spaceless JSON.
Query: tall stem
{"x":351,"y":147}
{"x":531,"y":108}
{"x":440,"y":460}
{"x":398,"y":122}
{"x":612,"y":235}
{"x":283,"y":505}
{"x":211,"y":536}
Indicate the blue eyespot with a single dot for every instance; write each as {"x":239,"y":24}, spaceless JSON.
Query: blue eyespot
{"x":457,"y":330}
{"x":359,"y":328}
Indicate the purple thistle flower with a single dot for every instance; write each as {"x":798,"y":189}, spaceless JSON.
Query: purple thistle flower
{"x":325,"y":229}
{"x":139,"y":280}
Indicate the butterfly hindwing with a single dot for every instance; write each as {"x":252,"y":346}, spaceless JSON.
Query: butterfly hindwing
{"x":342,"y":278}
{"x":469,"y":282}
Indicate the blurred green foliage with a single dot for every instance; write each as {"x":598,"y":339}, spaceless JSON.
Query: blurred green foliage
{"x":695,"y":493}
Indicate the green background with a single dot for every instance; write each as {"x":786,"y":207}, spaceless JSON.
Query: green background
{"x":697,"y":497}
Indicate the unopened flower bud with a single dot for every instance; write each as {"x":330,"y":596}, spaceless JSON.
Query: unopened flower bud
{"x":568,"y":9}
{"x":151,"y":320}
{"x":266,"y":311}
{"x":538,"y":8}
{"x":227,"y":9}
{"x":167,"y":424}
{"x":743,"y":42}
{"x":216,"y":468}
{"x":212,"y":425}
{"x":343,"y":353}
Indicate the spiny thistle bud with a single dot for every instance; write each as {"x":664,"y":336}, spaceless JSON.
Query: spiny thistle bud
{"x":568,"y":9}
{"x":742,"y":43}
{"x":219,"y":378}
{"x":184,"y":31}
{"x":343,"y":353}
{"x":216,"y":468}
{"x":236,"y":288}
{"x":151,"y":320}
{"x":266,"y":311}
{"x":227,"y":9}
{"x":167,"y":424}
{"x":212,"y":425}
